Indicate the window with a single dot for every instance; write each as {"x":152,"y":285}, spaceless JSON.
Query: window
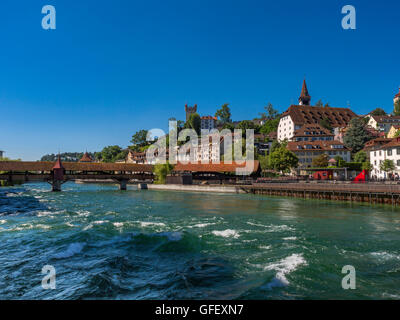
{"x":389,"y":152}
{"x":398,"y":162}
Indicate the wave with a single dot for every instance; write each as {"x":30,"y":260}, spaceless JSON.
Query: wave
{"x":73,"y":249}
{"x":227,"y":233}
{"x":282,"y":268}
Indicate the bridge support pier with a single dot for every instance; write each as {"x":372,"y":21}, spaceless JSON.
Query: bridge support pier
{"x":122,"y":184}
{"x":56,"y":186}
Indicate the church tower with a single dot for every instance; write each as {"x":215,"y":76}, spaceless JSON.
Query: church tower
{"x":304,"y":96}
{"x":190,"y":110}
{"x":396,"y":97}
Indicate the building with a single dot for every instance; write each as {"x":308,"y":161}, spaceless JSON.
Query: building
{"x":312,"y":132}
{"x":303,"y":114}
{"x":86,"y":158}
{"x":136,"y":157}
{"x":383,"y":123}
{"x":390,"y":151}
{"x":393,"y":130}
{"x":375,"y":143}
{"x":306,"y":151}
{"x":208,"y":123}
{"x":1,"y":154}
{"x":190,"y":110}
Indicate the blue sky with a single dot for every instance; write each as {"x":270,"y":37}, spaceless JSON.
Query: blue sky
{"x":114,"y":67}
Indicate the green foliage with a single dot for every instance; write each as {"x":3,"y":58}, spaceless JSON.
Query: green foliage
{"x":360,"y":156}
{"x":66,"y":156}
{"x":325,"y":123}
{"x":244,"y":125}
{"x":270,"y":126}
{"x":161,"y":171}
{"x":397,"y":133}
{"x":353,"y":165}
{"x":366,"y":166}
{"x":139,"y":139}
{"x":321,"y":161}
{"x":319,"y":103}
{"x":356,"y":135}
{"x":378,"y":112}
{"x":282,"y":159}
{"x":113,"y":153}
{"x":271,"y":112}
{"x":194,"y":122}
{"x":387,"y":165}
{"x":224,"y":114}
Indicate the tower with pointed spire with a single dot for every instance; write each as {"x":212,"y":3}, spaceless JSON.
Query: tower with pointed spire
{"x":305,"y":98}
{"x":396,"y":97}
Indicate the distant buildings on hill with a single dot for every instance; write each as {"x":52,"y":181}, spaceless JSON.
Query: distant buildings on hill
{"x":1,"y":154}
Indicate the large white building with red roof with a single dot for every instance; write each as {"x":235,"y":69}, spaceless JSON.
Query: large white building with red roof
{"x":294,"y":118}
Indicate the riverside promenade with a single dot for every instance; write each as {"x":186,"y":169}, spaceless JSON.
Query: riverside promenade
{"x":359,"y":192}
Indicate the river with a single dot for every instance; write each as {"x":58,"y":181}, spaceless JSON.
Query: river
{"x":111,"y":244}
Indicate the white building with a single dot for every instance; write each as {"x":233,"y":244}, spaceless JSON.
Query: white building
{"x":383,"y":123}
{"x":377,"y":155}
{"x":208,"y":122}
{"x":303,"y":114}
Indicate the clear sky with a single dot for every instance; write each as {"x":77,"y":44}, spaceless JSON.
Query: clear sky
{"x":113,"y":67}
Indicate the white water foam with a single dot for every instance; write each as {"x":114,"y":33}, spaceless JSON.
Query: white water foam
{"x":227,"y":233}
{"x":384,"y":255}
{"x":72,"y":249}
{"x":284,"y":267}
{"x":149,"y":223}
{"x":202,"y":225}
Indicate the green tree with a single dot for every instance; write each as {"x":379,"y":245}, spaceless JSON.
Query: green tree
{"x":319,"y":103}
{"x":139,"y":139}
{"x":396,"y":109}
{"x":271,"y":112}
{"x":282,"y":159}
{"x":356,"y":135}
{"x":161,"y":170}
{"x":321,"y":161}
{"x":387,"y":165}
{"x":246,"y":124}
{"x":112,"y":154}
{"x":270,"y":126}
{"x":378,"y":112}
{"x":194,"y":122}
{"x":325,"y":123}
{"x":224,"y":114}
{"x":367,"y":166}
{"x":360,"y":156}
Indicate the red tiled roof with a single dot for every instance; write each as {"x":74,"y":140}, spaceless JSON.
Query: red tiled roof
{"x":338,"y":117}
{"x":394,"y":143}
{"x":314,"y":129}
{"x":316,"y":145}
{"x":387,"y":119}
{"x":208,"y":118}
{"x":86,"y":158}
{"x":214,"y":167}
{"x":397,"y":95}
{"x":22,"y":166}
{"x":304,"y":90}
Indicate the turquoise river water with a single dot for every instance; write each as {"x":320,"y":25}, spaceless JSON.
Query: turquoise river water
{"x":111,"y":244}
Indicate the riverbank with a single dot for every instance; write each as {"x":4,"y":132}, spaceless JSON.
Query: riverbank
{"x":196,"y":188}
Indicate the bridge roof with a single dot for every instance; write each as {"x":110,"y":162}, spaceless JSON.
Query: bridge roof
{"x":73,"y":166}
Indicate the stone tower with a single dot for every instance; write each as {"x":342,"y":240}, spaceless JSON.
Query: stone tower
{"x":396,"y":97}
{"x":190,"y":110}
{"x":304,"y":96}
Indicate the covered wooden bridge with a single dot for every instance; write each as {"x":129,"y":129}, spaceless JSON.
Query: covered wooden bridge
{"x":59,"y":172}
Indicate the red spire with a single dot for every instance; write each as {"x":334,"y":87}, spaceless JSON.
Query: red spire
{"x":304,"y":96}
{"x":86,"y":158}
{"x":58,"y":164}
